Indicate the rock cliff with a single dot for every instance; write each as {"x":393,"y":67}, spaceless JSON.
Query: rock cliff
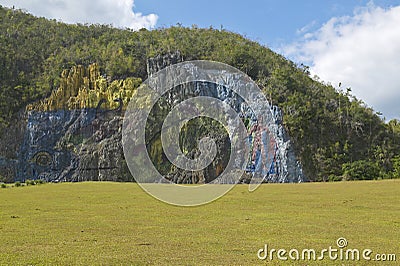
{"x":75,"y":133}
{"x":284,"y":167}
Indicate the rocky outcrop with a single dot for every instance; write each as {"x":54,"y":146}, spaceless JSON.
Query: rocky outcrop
{"x":284,"y":168}
{"x":83,"y":87}
{"x":72,"y":145}
{"x":10,"y":143}
{"x":159,"y":62}
{"x":75,"y":134}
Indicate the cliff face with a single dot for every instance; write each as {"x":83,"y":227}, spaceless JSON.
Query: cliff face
{"x":75,"y":134}
{"x":284,"y":166}
{"x":83,"y":87}
{"x":72,"y":145}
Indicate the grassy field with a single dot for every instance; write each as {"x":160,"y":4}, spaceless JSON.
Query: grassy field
{"x":117,"y":223}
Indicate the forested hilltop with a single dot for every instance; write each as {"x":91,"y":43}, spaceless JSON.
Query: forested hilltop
{"x":336,"y":136}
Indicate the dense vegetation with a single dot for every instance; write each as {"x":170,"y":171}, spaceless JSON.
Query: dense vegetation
{"x":336,"y":135}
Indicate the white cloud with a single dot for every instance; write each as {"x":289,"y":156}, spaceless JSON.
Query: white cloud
{"x":361,"y":51}
{"x":118,"y":13}
{"x":306,"y":28}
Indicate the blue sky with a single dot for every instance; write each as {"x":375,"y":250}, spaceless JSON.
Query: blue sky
{"x":271,"y":22}
{"x":352,"y":42}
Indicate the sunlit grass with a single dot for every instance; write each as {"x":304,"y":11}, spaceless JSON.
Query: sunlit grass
{"x":117,"y":223}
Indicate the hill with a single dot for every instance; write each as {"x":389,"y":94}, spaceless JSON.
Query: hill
{"x":335,"y":135}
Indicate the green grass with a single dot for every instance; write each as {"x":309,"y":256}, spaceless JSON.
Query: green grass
{"x":117,"y":223}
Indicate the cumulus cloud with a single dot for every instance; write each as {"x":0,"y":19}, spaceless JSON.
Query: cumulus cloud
{"x":360,"y":51}
{"x":118,"y":13}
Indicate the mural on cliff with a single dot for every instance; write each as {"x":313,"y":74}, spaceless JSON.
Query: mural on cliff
{"x":75,"y":134}
{"x":72,"y":145}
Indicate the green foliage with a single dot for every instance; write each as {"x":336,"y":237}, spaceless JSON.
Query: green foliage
{"x":396,"y":167}
{"x":361,"y":170}
{"x":40,"y":181}
{"x":328,"y":128}
{"x":29,"y":182}
{"x":334,"y":178}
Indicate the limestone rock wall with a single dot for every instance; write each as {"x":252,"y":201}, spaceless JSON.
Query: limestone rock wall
{"x":83,"y":87}
{"x":75,"y":133}
{"x":72,"y":145}
{"x":285,"y":168}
